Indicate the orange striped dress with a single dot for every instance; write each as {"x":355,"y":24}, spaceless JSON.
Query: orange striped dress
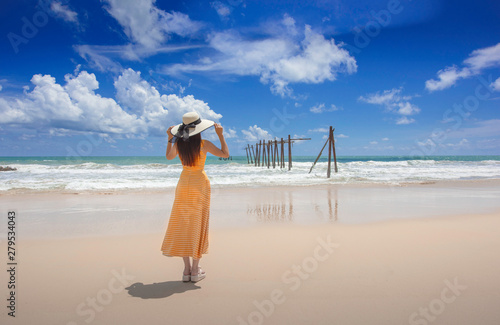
{"x":187,"y":231}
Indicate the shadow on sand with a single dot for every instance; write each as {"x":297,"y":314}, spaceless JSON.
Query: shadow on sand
{"x":159,"y":290}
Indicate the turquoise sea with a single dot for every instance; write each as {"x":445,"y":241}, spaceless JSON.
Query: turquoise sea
{"x":150,"y":173}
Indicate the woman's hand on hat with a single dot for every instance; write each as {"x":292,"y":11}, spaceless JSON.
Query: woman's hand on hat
{"x":169,"y":132}
{"x":218,"y":129}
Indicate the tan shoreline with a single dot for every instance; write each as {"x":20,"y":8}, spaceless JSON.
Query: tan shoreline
{"x":51,"y":215}
{"x":417,"y":254}
{"x":392,"y":272}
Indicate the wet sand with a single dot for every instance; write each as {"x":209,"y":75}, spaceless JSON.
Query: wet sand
{"x":424,"y":254}
{"x":68,"y":215}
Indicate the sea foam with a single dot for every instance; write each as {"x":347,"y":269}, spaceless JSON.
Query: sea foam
{"x":112,"y":174}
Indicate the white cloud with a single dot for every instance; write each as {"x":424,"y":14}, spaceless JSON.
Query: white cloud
{"x":464,"y":143}
{"x":391,"y":99}
{"x":341,"y":136}
{"x":484,"y":58}
{"x":319,"y":60}
{"x":156,"y":110}
{"x":373,"y":142}
{"x":319,"y":130}
{"x":426,"y":144}
{"x":98,"y":113}
{"x":26,"y":137}
{"x":406,"y":108}
{"x":97,"y":59}
{"x":447,"y":78}
{"x":385,"y":139}
{"x":289,"y":24}
{"x":255,"y":133}
{"x":404,"y":120}
{"x":495,"y":85}
{"x":222,"y":10}
{"x":1,"y":87}
{"x":139,"y":109}
{"x":64,"y":12}
{"x":148,"y":30}
{"x":320,"y":108}
{"x":386,"y":98}
{"x":478,"y":61}
{"x":394,"y":102}
{"x":101,"y":57}
{"x":278,"y":61}
{"x":74,"y":106}
{"x":147,"y":25}
{"x":230,"y":133}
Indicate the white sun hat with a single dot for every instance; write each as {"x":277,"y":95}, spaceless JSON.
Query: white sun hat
{"x":191,"y":125}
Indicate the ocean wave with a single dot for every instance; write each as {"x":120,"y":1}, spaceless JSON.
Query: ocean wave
{"x":115,"y":176}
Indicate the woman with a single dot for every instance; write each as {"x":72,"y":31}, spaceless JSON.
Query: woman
{"x":187,"y":232}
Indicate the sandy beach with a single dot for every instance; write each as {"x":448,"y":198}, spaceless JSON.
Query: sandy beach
{"x":416,"y":254}
{"x":332,"y":162}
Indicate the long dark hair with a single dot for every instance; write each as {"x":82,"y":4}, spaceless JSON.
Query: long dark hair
{"x":189,"y":151}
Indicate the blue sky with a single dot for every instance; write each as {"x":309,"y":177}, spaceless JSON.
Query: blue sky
{"x":109,"y":77}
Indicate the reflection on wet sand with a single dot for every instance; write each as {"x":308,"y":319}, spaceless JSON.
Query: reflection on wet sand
{"x":272,"y":212}
{"x":332,"y":203}
{"x":333,"y":216}
{"x":282,"y":210}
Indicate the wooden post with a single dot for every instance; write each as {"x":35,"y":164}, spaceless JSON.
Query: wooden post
{"x":331,"y":146}
{"x":257,"y":146}
{"x":268,"y":153}
{"x":271,"y":148}
{"x":275,"y":152}
{"x":328,"y":170}
{"x":289,"y":153}
{"x":263,"y":153}
{"x":248,"y":159}
{"x":250,"y":152}
{"x":334,"y":155}
{"x":252,"y":155}
{"x":314,"y":164}
{"x":329,"y":152}
{"x":282,"y":153}
{"x":256,"y":153}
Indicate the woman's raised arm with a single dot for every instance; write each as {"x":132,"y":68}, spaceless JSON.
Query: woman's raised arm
{"x":171,"y":149}
{"x":223,"y":152}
